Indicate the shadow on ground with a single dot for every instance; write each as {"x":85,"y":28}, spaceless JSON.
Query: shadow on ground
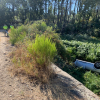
{"x":61,"y":88}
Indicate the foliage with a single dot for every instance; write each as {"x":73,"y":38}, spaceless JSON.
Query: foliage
{"x":56,"y":12}
{"x":32,"y":29}
{"x":43,"y":49}
{"x":83,"y":50}
{"x":41,"y":26}
{"x":34,"y":58}
{"x":17,"y":34}
{"x":37,"y":27}
{"x":92,"y":81}
{"x":61,"y":50}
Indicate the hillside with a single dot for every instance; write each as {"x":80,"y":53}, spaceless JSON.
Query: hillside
{"x":12,"y":87}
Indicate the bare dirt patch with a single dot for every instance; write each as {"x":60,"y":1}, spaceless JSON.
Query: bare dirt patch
{"x":21,"y":88}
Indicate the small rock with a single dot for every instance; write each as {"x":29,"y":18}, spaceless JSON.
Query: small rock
{"x":3,"y":91}
{"x":10,"y":95}
{"x":6,"y":60}
{"x":4,"y":53}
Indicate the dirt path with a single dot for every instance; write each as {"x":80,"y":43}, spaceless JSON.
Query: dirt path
{"x":19,"y":88}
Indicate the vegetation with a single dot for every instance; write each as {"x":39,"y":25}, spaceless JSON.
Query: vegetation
{"x":90,"y":79}
{"x":43,"y":50}
{"x":36,"y":50}
{"x":34,"y":58}
{"x":73,"y":31}
{"x":17,"y":34}
{"x":70,"y":16}
{"x":83,"y":50}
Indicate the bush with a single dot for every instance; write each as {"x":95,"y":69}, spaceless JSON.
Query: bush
{"x":18,"y":34}
{"x":43,"y":52}
{"x":97,"y":32}
{"x":43,"y":49}
{"x":61,"y":50}
{"x":42,"y":26}
{"x":39,"y":25}
{"x":92,"y":82}
{"x":34,"y":58}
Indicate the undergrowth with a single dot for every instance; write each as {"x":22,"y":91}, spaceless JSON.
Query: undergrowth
{"x":83,"y":50}
{"x":17,"y":34}
{"x":35,"y":58}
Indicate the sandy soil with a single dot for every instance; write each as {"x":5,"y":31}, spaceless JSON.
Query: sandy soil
{"x":20,"y":88}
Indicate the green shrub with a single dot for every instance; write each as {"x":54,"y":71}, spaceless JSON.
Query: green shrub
{"x":13,"y":35}
{"x":83,"y":50}
{"x":42,"y":26}
{"x":43,"y":49}
{"x":39,"y":25}
{"x":34,"y":58}
{"x":18,"y":34}
{"x":97,"y":32}
{"x":26,"y":21}
{"x":92,"y":81}
{"x":22,"y":28}
{"x":49,"y":29}
{"x":61,"y":50}
{"x":49,"y":33}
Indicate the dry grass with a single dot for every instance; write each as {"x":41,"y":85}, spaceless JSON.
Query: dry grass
{"x":25,"y":64}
